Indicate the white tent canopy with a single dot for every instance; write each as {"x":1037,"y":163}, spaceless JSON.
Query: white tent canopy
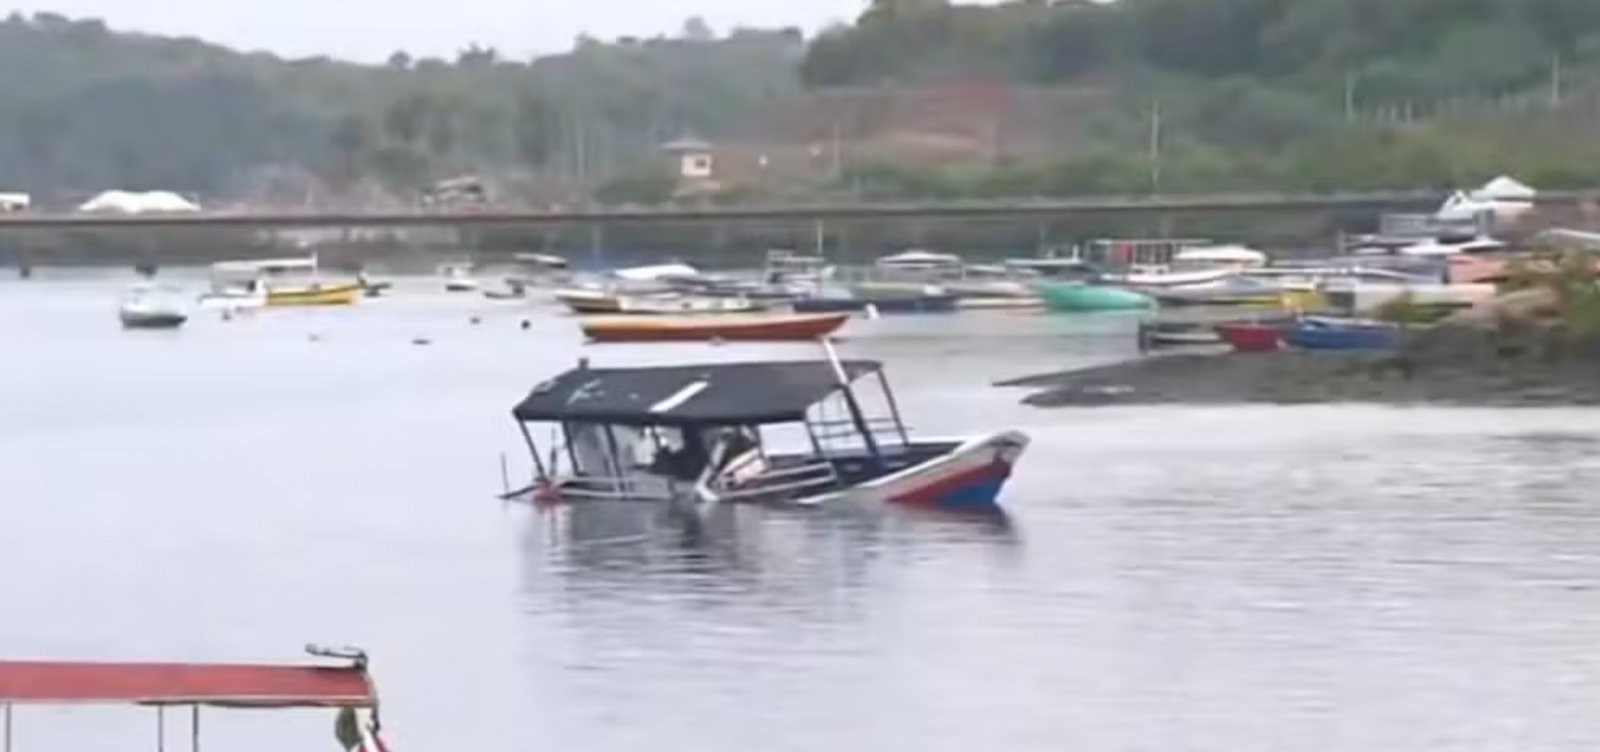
{"x":129,"y":202}
{"x":1505,"y":188}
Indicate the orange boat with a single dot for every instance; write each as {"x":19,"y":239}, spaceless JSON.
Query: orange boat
{"x":774,"y":327}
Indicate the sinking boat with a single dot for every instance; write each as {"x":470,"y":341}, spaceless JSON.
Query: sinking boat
{"x":769,"y":327}
{"x":695,"y":436}
{"x":344,"y":686}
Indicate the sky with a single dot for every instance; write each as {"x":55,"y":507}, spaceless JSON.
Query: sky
{"x":369,"y":30}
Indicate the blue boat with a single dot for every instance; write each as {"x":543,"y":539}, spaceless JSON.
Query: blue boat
{"x":1318,"y":333}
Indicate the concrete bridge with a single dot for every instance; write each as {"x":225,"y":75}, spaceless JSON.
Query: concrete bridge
{"x":1042,"y":209}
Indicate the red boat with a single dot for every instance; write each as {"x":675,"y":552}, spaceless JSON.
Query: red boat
{"x":346,"y":687}
{"x":1250,"y":337}
{"x":773,"y":327}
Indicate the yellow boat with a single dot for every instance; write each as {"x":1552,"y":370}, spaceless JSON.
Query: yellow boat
{"x":315,"y":295}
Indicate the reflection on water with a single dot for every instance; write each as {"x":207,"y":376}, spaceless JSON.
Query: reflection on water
{"x":1239,"y":579}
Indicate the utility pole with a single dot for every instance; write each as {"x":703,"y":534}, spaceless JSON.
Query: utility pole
{"x":1155,"y":148}
{"x":1555,"y":80}
{"x":1350,"y":96}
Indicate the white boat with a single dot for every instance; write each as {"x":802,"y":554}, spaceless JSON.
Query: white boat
{"x":920,"y":261}
{"x":655,"y":273}
{"x":458,"y":278}
{"x":152,"y":306}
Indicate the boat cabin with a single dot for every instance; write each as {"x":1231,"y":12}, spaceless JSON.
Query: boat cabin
{"x":712,"y":430}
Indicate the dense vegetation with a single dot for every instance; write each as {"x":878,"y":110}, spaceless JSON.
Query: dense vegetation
{"x":1180,"y":95}
{"x":1299,"y":94}
{"x":84,"y":108}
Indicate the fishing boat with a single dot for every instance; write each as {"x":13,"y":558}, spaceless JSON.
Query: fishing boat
{"x":1251,"y":337}
{"x":695,"y":436}
{"x":1077,"y":297}
{"x":1324,"y":333}
{"x":274,"y":282}
{"x":152,"y":306}
{"x":770,"y":327}
{"x":345,"y":687}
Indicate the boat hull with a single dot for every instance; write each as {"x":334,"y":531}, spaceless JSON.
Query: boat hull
{"x":1307,"y":336}
{"x":584,"y":302}
{"x":969,"y":477}
{"x":1251,"y":338}
{"x":152,"y":320}
{"x":332,"y":295}
{"x":1076,"y":298}
{"x":707,"y":328}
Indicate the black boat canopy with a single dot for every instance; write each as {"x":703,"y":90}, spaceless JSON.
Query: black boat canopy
{"x":718,"y":393}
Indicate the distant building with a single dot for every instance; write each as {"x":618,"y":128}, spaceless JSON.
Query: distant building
{"x":696,"y":164}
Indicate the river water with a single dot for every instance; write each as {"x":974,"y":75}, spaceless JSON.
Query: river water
{"x":1230,"y":579}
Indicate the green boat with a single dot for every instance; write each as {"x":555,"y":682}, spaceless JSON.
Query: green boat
{"x":1078,"y":297}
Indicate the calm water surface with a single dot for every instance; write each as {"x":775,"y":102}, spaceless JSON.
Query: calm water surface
{"x":1230,"y":579}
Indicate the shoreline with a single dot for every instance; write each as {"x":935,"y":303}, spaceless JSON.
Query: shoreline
{"x":1297,"y":377}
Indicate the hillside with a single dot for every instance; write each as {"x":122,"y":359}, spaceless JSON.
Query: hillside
{"x":84,"y":108}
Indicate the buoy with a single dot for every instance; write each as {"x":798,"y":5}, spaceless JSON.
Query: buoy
{"x":526,"y":324}
{"x":421,"y":341}
{"x":476,"y":320}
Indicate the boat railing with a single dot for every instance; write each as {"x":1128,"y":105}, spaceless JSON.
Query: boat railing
{"x":883,"y":430}
{"x":778,"y":481}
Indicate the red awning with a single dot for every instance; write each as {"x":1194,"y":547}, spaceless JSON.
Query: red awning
{"x":238,"y":685}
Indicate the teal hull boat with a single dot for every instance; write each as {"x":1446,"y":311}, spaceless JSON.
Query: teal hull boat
{"x":1077,"y":297}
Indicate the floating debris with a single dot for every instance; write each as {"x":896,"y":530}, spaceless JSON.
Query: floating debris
{"x":421,"y":341}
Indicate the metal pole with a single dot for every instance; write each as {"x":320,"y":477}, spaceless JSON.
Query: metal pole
{"x":161,"y":728}
{"x":7,"y":733}
{"x":194,"y":729}
{"x":894,"y":408}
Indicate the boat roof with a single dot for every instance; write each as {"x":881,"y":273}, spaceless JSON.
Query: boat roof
{"x":716,"y":393}
{"x":219,"y":684}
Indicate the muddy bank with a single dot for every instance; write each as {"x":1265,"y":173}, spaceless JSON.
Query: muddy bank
{"x":1293,"y":377}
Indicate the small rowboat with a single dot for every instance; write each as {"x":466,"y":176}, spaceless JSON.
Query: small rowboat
{"x":1246,"y":337}
{"x":775,"y":327}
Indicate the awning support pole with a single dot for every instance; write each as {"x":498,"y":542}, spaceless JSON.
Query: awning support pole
{"x":194,"y":729}
{"x":894,"y":408}
{"x":161,"y":728}
{"x":856,"y":415}
{"x":7,"y":732}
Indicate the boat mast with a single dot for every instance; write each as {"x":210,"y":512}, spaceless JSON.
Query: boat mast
{"x":856,"y":416}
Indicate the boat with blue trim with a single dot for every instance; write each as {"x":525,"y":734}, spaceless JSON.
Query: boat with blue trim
{"x":706,"y":434}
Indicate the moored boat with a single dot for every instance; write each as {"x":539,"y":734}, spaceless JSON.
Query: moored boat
{"x":679,"y":305}
{"x":1077,"y":298}
{"x":582,"y":301}
{"x":1322,"y":333}
{"x":767,"y":327}
{"x":151,"y":306}
{"x":458,"y":277}
{"x":1251,"y":337}
{"x":314,"y":294}
{"x":345,"y":687}
{"x":697,"y":436}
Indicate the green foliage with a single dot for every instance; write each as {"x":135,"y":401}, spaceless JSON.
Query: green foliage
{"x":645,"y":186}
{"x":84,"y":109}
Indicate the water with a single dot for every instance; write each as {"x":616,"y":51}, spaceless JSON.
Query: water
{"x":1239,"y":579}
